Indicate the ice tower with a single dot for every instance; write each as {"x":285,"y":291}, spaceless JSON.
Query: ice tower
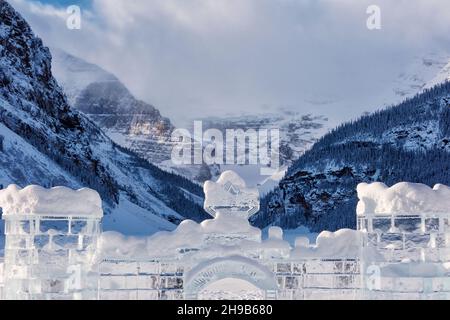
{"x":406,"y":243}
{"x":51,"y":238}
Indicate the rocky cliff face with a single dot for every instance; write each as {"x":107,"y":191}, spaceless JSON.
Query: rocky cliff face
{"x":409,"y":142}
{"x":45,"y":141}
{"x":129,"y":122}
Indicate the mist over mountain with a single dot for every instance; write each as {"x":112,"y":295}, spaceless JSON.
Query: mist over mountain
{"x":46,"y":142}
{"x":409,"y":142}
{"x":92,"y":131}
{"x":101,"y":96}
{"x":139,"y":126}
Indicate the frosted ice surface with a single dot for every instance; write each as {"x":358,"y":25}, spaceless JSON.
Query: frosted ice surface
{"x":403,"y":198}
{"x":51,"y":240}
{"x":344,"y":243}
{"x":302,"y":242}
{"x":187,"y":235}
{"x":409,"y":254}
{"x":58,"y":201}
{"x":230,"y":195}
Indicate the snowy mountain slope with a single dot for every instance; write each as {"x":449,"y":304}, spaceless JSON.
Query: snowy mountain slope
{"x":442,"y":76}
{"x":139,"y":126}
{"x":131,"y":123}
{"x":109,"y":104}
{"x":409,"y":142}
{"x":298,"y":132}
{"x":62,"y":146}
{"x":418,"y":76}
{"x":75,"y":75}
{"x":24,"y":164}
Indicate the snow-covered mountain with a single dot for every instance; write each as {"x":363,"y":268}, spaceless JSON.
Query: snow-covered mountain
{"x":44,"y":141}
{"x":442,"y":76}
{"x":139,"y":127}
{"x":298,"y":132}
{"x":101,"y":96}
{"x":322,"y":194}
{"x":421,"y":74}
{"x":409,"y":142}
{"x":129,"y":122}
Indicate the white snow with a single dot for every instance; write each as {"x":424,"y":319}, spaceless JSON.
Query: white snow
{"x":225,"y":257}
{"x":403,"y":198}
{"x":113,"y":244}
{"x":19,"y":157}
{"x":441,"y":77}
{"x":421,"y":136}
{"x":291,"y":235}
{"x":187,"y":235}
{"x":130,"y":219}
{"x":272,"y":182}
{"x":74,"y":74}
{"x":58,"y":201}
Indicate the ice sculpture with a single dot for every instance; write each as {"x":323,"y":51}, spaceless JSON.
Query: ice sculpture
{"x":51,"y":237}
{"x":406,"y":247}
{"x":231,"y":203}
{"x":400,"y":250}
{"x":230,"y":196}
{"x":170,"y":265}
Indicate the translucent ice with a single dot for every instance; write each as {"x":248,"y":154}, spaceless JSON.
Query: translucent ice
{"x":403,"y":198}
{"x":344,"y":243}
{"x":58,"y":201}
{"x":231,"y":196}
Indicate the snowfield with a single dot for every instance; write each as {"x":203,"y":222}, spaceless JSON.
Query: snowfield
{"x":231,"y":289}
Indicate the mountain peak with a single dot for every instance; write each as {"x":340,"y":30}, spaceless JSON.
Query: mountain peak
{"x":46,"y":142}
{"x":75,"y":74}
{"x":129,"y":122}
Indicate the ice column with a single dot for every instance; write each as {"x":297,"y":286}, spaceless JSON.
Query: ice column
{"x":51,"y":238}
{"x":406,"y":242}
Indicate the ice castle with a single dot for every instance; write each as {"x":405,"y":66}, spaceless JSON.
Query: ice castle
{"x":55,"y":248}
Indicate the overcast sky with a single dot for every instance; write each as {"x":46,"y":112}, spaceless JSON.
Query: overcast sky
{"x":193,"y":58}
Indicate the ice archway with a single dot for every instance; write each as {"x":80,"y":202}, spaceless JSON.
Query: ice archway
{"x":236,"y":267}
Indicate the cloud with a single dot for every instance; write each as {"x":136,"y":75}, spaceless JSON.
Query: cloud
{"x":212,"y":57}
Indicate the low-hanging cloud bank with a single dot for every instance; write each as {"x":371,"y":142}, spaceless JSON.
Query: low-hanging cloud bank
{"x":259,"y":55}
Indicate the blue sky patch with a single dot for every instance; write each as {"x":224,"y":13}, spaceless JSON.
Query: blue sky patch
{"x":66,"y":3}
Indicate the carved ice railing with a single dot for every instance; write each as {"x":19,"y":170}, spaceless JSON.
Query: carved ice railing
{"x":405,"y":256}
